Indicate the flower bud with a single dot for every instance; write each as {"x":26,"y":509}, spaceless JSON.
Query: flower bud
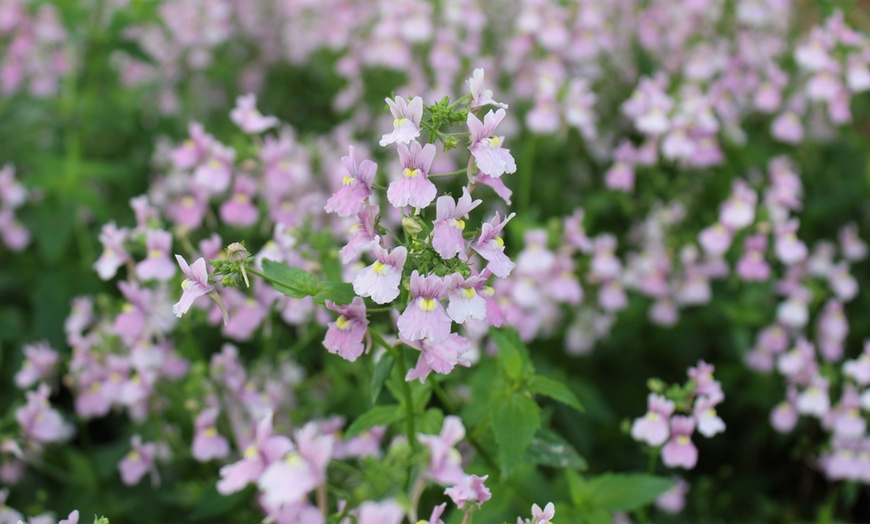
{"x":237,"y":253}
{"x":411,"y":226}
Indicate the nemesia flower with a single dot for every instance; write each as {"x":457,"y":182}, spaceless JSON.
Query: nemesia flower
{"x":344,"y":337}
{"x":789,"y":250}
{"x":208,"y":444}
{"x":497,"y":185}
{"x":239,"y":210}
{"x":445,"y":463}
{"x":195,"y":286}
{"x":540,"y":516}
{"x":381,"y":280}
{"x":491,"y":158}
{"x":679,"y":451}
{"x":301,"y":470}
{"x":708,"y":421}
{"x":73,"y":518}
{"x":362,"y":234}
{"x":265,"y":450}
{"x":157,"y":264}
{"x":464,"y":301}
{"x":406,"y":123}
{"x":384,"y":512}
{"x":447,"y":239}
{"x":248,"y":118}
{"x":469,"y":489}
{"x":355,"y":189}
{"x":138,"y":462}
{"x":673,"y":500}
{"x":39,"y":421}
{"x":40,"y":361}
{"x":214,"y":174}
{"x":440,"y":357}
{"x":114,"y":255}
{"x":481,"y":96}
{"x":490,"y":246}
{"x":193,"y":150}
{"x":814,"y":400}
{"x":425,"y":317}
{"x":435,"y":517}
{"x":414,"y":187}
{"x":653,"y":428}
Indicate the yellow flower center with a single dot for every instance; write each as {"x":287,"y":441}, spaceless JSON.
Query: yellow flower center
{"x":189,"y":144}
{"x":652,"y":416}
{"x":186,"y":282}
{"x":347,"y":180}
{"x":378,"y":267}
{"x":458,"y":224}
{"x":399,"y":121}
{"x":210,"y":432}
{"x":427,"y":304}
{"x":494,"y":141}
{"x":241,"y":198}
{"x":134,"y":456}
{"x":251,"y":451}
{"x":127,"y":308}
{"x":411,"y":173}
{"x":355,"y":227}
{"x":188,"y":201}
{"x":683,"y":440}
{"x":499,"y":242}
{"x":155,"y":253}
{"x":342,"y":322}
{"x":489,"y":290}
{"x":469,"y":292}
{"x":293,"y":458}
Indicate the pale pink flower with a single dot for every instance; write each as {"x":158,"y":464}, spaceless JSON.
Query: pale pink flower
{"x":490,"y":157}
{"x":381,"y":280}
{"x":248,"y":118}
{"x":406,"y":120}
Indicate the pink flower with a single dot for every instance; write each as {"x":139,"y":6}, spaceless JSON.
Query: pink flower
{"x":653,"y":427}
{"x":301,"y":470}
{"x":114,"y":255}
{"x":543,"y":516}
{"x":193,"y":150}
{"x":437,"y":511}
{"x":157,"y":265}
{"x":414,"y":188}
{"x":208,"y":444}
{"x":344,"y":336}
{"x":195,"y":286}
{"x":679,"y":451}
{"x":381,"y":280}
{"x":38,"y":365}
{"x":355,"y":189}
{"x":497,"y":185}
{"x":213,"y":176}
{"x":490,"y":246}
{"x":239,"y":209}
{"x":406,"y":123}
{"x":265,"y":450}
{"x":788,"y":248}
{"x":384,"y":512}
{"x":673,"y":500}
{"x":362,"y":234}
{"x":73,"y":518}
{"x":248,"y":118}
{"x":705,"y":415}
{"x":445,"y":463}
{"x":716,"y":239}
{"x":425,"y":317}
{"x":447,"y":237}
{"x":788,"y":128}
{"x":469,"y":489}
{"x":464,"y":300}
{"x":138,"y":462}
{"x":440,"y":357}
{"x":39,"y":421}
{"x":491,"y":158}
{"x":481,"y":96}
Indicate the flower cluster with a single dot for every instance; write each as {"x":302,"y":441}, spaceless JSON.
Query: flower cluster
{"x":662,"y":427}
{"x":12,"y":196}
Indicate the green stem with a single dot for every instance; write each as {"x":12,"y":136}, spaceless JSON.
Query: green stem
{"x":453,"y":173}
{"x":525,"y":189}
{"x":398,"y":354}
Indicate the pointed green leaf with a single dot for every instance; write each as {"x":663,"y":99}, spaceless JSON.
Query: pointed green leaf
{"x":515,"y":419}
{"x":513,"y":355}
{"x":383,"y":367}
{"x":555,"y":390}
{"x":292,"y":281}
{"x":377,"y":416}
{"x":626,"y":492}
{"x":338,"y":292}
{"x":549,"y":449}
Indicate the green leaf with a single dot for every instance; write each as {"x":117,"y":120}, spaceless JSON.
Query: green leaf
{"x":515,"y":419}
{"x":625,"y":492}
{"x":383,"y":367}
{"x":430,"y":422}
{"x":513,"y":355}
{"x":292,"y":281}
{"x":578,"y":488}
{"x":549,"y":449}
{"x":377,"y":416}
{"x":212,"y":505}
{"x":338,"y":292}
{"x":555,"y":390}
